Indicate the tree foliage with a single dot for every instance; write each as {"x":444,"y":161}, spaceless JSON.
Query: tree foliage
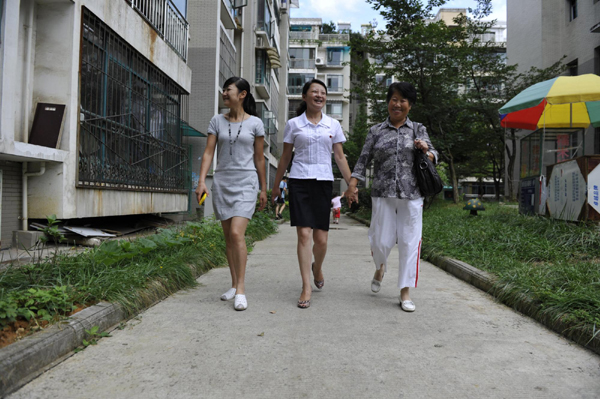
{"x":461,"y":80}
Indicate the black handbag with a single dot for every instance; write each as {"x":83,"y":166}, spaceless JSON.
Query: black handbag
{"x":429,"y":181}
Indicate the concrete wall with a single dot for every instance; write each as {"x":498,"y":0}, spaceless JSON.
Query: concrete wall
{"x":40,"y":63}
{"x":203,"y":59}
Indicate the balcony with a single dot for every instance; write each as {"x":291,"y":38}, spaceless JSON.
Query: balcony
{"x":228,"y":14}
{"x":334,"y":37}
{"x":164,"y":17}
{"x":263,"y":84}
{"x":295,"y":90}
{"x":296,"y":63}
{"x":263,"y":33}
{"x":304,"y":36}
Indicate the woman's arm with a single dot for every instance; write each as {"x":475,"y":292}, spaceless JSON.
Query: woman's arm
{"x":341,"y":161}
{"x":284,"y":161}
{"x":259,"y":162}
{"x":207,"y":158}
{"x":424,"y":143}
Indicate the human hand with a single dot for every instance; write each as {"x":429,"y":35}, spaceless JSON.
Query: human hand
{"x":275,"y":193}
{"x":200,"y":190}
{"x":262,"y":200}
{"x":351,"y":195}
{"x":422,"y":145}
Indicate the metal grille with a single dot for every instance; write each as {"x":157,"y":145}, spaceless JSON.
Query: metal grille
{"x":130,"y":128}
{"x":227,"y":63}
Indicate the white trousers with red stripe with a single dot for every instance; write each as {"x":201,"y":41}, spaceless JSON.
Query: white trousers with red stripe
{"x":399,"y":221}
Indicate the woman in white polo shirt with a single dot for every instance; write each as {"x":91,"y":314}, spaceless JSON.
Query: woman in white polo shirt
{"x":314,"y":136}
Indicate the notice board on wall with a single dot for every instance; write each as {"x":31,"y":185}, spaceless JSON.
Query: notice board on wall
{"x":47,"y":125}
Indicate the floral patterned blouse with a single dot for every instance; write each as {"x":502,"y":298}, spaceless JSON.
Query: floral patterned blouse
{"x":391,"y":150}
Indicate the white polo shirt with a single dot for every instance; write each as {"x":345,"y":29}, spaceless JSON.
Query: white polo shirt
{"x":313,"y":146}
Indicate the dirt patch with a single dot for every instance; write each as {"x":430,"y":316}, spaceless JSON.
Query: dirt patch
{"x":21,"y":328}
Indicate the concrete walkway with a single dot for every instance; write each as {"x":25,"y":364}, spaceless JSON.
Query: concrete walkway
{"x":350,"y":343}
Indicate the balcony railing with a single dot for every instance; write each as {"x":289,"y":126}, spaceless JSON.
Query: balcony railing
{"x":295,"y":89}
{"x":299,"y":63}
{"x":164,"y":17}
{"x":335,"y":89}
{"x":303,"y":36}
{"x":334,"y":37}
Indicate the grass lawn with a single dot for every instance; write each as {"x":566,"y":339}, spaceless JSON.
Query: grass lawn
{"x":554,"y":263}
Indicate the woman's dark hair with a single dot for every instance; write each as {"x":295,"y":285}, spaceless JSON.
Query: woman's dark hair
{"x":405,"y":89}
{"x":302,"y":107}
{"x":242,"y":84}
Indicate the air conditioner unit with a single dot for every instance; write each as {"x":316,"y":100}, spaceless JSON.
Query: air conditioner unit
{"x":319,"y":61}
{"x":260,"y":42}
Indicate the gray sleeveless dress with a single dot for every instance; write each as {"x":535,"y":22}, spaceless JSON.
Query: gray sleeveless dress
{"x":235,"y":181}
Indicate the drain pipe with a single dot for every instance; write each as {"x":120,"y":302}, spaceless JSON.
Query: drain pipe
{"x":25,"y":217}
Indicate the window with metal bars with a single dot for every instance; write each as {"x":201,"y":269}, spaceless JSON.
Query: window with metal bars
{"x":130,"y":122}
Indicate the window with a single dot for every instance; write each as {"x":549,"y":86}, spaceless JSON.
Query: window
{"x":130,"y":134}
{"x":572,"y":68}
{"x":302,"y":58}
{"x":335,"y":83}
{"x":297,"y":80}
{"x":263,"y":69}
{"x":335,"y":56}
{"x":264,"y":17}
{"x":572,"y":9}
{"x":334,"y":110}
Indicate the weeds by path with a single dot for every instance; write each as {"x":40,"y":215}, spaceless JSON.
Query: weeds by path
{"x":132,"y":273}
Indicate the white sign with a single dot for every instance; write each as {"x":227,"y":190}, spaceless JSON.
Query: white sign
{"x":566,"y":191}
{"x":593,"y":184}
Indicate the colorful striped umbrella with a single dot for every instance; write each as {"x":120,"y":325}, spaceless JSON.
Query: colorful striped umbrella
{"x":562,"y":102}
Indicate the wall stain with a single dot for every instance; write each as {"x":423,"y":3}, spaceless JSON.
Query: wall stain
{"x":153,"y":36}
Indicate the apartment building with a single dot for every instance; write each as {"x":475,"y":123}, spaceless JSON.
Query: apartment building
{"x":542,"y":32}
{"x":324,"y":56}
{"x":246,"y":38}
{"x":92,"y":99}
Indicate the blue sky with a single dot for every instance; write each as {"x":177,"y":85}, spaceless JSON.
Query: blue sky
{"x":359,"y":11}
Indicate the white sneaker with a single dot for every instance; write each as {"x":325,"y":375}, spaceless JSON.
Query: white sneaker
{"x":227,"y":296}
{"x":240,"y":302}
{"x":407,"y":306}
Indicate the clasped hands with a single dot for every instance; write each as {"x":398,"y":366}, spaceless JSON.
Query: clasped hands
{"x":351,"y":195}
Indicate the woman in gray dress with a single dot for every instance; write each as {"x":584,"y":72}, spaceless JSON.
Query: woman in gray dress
{"x":240,"y":166}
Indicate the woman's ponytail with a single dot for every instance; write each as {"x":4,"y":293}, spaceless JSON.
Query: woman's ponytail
{"x":249,"y":104}
{"x":301,"y":108}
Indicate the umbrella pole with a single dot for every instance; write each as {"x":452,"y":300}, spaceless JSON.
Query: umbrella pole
{"x":570,"y":114}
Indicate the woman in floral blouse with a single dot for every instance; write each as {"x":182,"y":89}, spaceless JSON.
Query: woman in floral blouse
{"x":397,"y":214}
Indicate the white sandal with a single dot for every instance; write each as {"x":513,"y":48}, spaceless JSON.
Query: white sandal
{"x":228,"y":295}
{"x":240,"y":302}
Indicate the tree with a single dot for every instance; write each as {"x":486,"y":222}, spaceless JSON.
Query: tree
{"x":461,"y":82}
{"x":328,"y":28}
{"x":428,"y":54}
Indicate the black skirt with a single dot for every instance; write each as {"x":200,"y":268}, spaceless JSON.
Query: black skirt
{"x":310,"y":203}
